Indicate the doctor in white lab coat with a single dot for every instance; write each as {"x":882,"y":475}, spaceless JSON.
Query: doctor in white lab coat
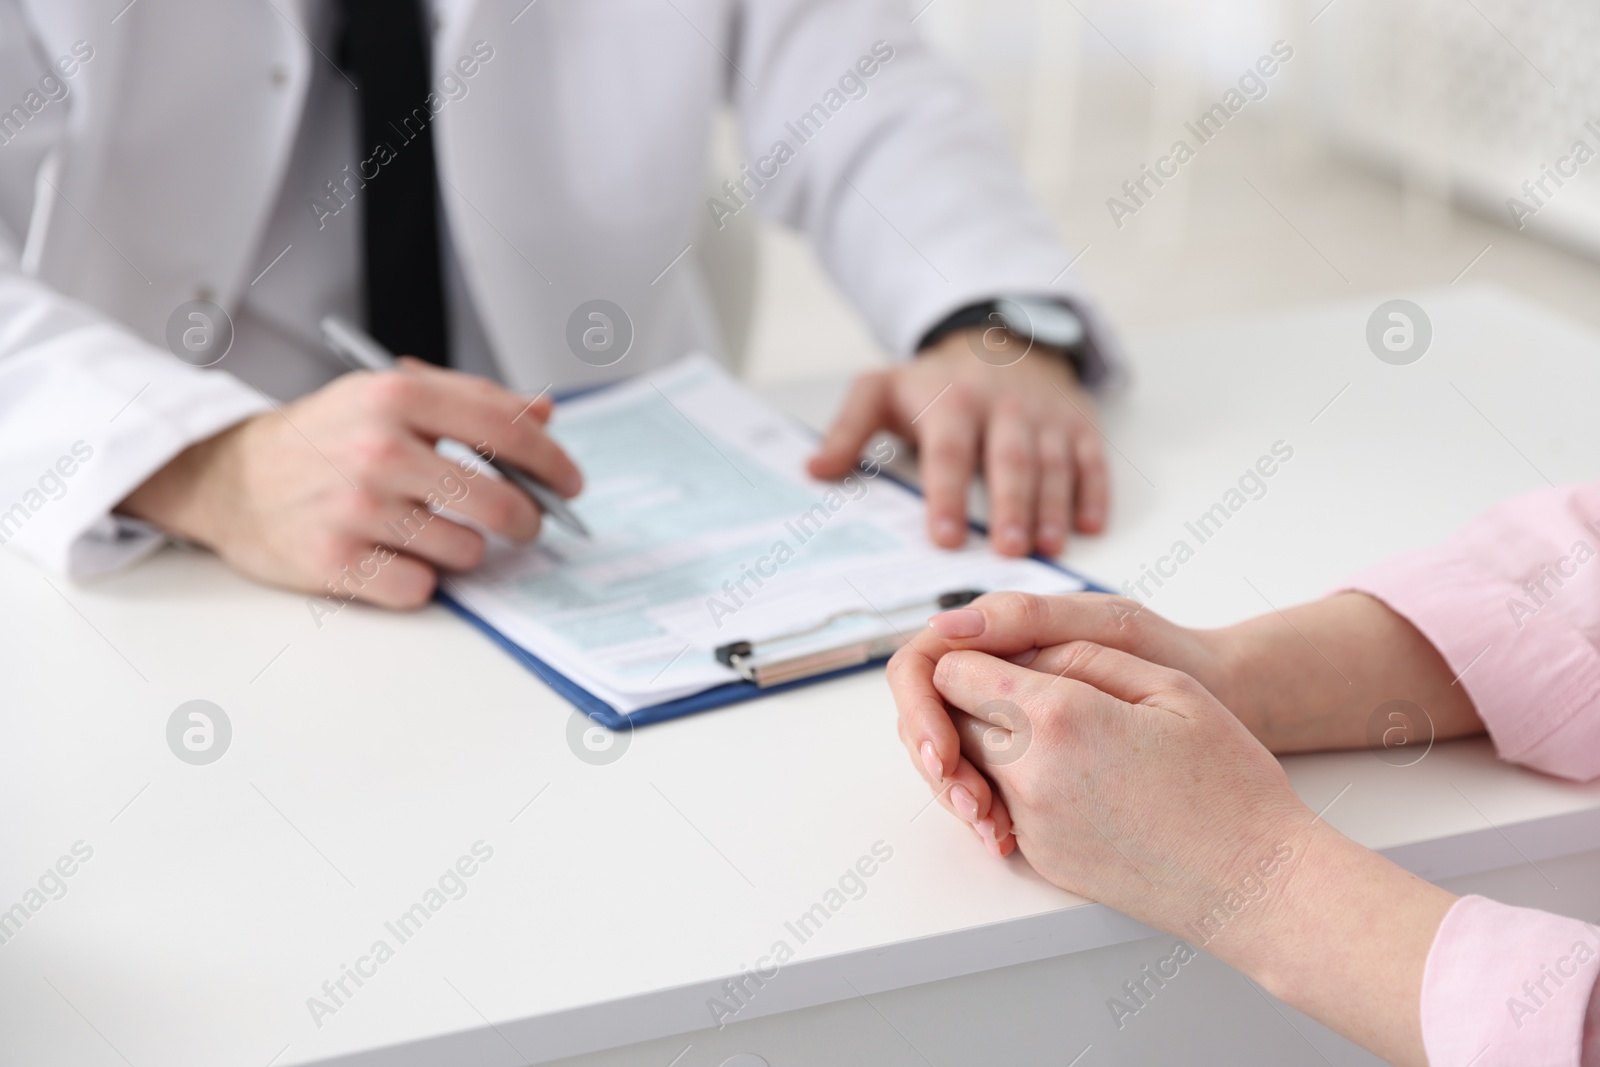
{"x":166,"y":158}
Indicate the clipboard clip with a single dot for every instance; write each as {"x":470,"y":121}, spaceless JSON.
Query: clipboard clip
{"x":767,"y":664}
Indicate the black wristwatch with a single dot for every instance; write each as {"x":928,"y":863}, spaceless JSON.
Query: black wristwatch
{"x":1042,"y":320}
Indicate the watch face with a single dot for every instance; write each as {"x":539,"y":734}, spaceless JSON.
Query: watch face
{"x":1045,"y":321}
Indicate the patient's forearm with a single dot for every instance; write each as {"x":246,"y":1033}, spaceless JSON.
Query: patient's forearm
{"x":1313,"y":677}
{"x":1343,"y":936}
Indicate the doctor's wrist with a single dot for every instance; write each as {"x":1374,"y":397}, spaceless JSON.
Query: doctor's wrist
{"x":1004,"y":330}
{"x":183,"y":497}
{"x":994,"y":352}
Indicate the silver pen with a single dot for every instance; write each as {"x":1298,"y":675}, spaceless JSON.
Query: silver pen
{"x":358,"y":350}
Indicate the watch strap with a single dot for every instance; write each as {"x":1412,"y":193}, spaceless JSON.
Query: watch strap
{"x":1086,"y":362}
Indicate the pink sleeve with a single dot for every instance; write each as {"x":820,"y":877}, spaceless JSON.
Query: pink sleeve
{"x":1510,"y":986}
{"x":1512,"y":602}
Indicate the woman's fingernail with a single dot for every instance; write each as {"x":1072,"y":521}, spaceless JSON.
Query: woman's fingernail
{"x":991,"y":844}
{"x":930,"y":760}
{"x":949,"y":531}
{"x":964,"y":802}
{"x":1013,"y":538}
{"x":963,"y":622}
{"x":985,"y":828}
{"x":1025,"y":657}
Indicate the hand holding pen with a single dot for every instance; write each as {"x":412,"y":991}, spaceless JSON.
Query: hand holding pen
{"x":361,"y":351}
{"x":336,"y":494}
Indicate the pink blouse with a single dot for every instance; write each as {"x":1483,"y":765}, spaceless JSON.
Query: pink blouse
{"x":1512,"y":602}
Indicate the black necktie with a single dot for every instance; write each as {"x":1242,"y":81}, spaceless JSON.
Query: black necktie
{"x":386,"y":50}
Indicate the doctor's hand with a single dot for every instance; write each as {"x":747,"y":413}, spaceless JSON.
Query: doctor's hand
{"x":1028,"y":425}
{"x":337,"y":486}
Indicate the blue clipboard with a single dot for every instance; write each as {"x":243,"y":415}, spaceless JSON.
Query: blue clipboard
{"x":715,"y":697}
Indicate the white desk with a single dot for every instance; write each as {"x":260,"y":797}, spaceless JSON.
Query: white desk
{"x":370,"y":753}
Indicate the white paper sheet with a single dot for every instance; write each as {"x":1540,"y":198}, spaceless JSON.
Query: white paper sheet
{"x":707,"y":530}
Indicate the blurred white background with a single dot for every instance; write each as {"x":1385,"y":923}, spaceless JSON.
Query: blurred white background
{"x":1378,"y":162}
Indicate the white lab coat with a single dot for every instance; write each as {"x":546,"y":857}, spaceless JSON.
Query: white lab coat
{"x":575,"y":169}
